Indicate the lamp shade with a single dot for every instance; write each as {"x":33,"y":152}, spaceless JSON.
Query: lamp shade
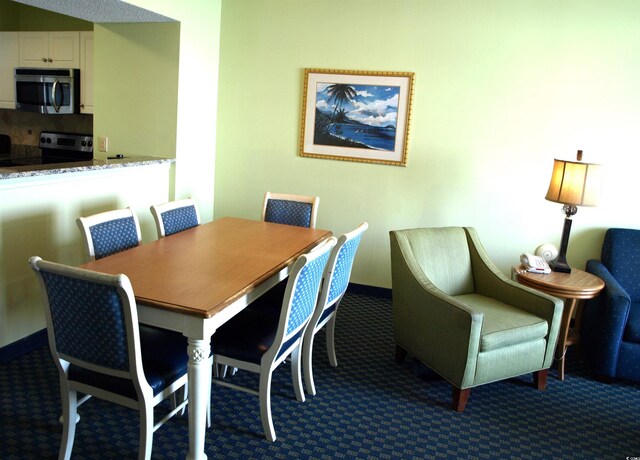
{"x":575,"y":183}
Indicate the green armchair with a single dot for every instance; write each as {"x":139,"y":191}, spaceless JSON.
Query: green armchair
{"x":459,"y":315}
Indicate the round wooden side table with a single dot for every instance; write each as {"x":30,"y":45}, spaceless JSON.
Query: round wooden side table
{"x":572,"y":287}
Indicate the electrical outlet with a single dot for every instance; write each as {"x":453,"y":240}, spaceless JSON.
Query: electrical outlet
{"x":103,"y":144}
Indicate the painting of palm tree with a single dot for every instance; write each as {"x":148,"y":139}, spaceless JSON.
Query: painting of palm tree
{"x":358,"y":114}
{"x":355,"y":115}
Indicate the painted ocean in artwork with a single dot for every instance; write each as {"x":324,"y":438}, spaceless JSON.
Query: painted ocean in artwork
{"x":359,"y":116}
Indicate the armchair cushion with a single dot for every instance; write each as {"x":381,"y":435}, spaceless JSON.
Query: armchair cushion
{"x":504,"y":325}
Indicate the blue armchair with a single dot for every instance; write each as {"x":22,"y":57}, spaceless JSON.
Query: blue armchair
{"x":610,"y":332}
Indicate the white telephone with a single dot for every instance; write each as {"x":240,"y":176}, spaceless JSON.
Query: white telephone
{"x":535,"y":264}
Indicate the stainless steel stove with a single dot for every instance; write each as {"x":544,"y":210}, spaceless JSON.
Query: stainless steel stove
{"x":63,"y":148}
{"x":57,"y":148}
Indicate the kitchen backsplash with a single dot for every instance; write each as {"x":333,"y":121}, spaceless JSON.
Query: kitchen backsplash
{"x":24,"y":127}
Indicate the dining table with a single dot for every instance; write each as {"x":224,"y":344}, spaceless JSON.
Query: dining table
{"x":196,"y":280}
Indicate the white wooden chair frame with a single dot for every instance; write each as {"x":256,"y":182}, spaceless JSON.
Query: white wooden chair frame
{"x":313,"y":200}
{"x":158,"y":209}
{"x":85,"y":224}
{"x":269,"y":361}
{"x":314,"y":323}
{"x":69,"y":389}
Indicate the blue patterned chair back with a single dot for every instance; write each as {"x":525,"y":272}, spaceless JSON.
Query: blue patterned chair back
{"x":621,"y":255}
{"x":289,"y":212}
{"x":346,"y":248}
{"x":179,"y":219}
{"x":305,"y":292}
{"x":114,"y":236}
{"x":88,"y":317}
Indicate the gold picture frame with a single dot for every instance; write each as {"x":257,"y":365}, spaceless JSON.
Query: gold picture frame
{"x":355,"y":115}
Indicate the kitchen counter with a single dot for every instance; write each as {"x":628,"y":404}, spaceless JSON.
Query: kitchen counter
{"x":16,"y":172}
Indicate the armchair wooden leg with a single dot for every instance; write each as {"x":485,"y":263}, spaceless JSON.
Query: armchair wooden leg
{"x":459,"y":398}
{"x":401,"y":353}
{"x":540,"y":379}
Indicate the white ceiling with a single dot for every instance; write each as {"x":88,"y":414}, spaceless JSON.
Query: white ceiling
{"x":104,"y":11}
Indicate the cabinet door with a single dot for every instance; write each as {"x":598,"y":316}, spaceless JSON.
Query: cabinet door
{"x":50,"y":49}
{"x":8,"y":61}
{"x":86,"y":72}
{"x":34,"y":49}
{"x":64,"y":50}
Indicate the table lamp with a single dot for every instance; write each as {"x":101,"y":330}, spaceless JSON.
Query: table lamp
{"x":573,"y":183}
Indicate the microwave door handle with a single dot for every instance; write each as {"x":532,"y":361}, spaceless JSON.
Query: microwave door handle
{"x":53,"y":96}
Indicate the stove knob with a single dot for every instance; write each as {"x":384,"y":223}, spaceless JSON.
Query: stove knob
{"x":48,"y":140}
{"x":42,"y":139}
{"x":90,"y":144}
{"x":83,"y":143}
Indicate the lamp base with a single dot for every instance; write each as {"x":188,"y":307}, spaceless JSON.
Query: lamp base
{"x":561,"y":265}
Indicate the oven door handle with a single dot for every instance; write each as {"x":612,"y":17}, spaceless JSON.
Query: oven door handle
{"x":53,"y":95}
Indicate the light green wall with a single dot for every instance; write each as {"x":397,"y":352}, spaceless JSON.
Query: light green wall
{"x":136,"y":87}
{"x":9,"y":15}
{"x":38,"y":217}
{"x":501,"y":87}
{"x":197,"y":92}
{"x":15,"y":16}
{"x":155,"y":94}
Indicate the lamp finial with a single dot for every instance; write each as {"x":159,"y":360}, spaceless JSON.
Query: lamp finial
{"x":579,"y":156}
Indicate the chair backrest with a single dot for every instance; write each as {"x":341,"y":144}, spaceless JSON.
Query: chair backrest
{"x":90,"y":320}
{"x":110,"y":232}
{"x":175,"y":216}
{"x":621,"y":256}
{"x":443,"y":256}
{"x":290,"y":209}
{"x":338,"y":269}
{"x":301,"y":295}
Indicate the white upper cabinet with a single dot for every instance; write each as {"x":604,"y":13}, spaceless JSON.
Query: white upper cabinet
{"x":9,"y":59}
{"x":86,"y":72}
{"x":50,"y":49}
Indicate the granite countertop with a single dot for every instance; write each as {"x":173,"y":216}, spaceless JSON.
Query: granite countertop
{"x":14,"y":172}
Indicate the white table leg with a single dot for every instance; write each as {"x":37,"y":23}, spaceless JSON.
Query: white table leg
{"x":199,"y":373}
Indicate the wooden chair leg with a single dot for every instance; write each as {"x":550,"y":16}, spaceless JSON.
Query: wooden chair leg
{"x":540,"y":379}
{"x":459,"y":398}
{"x":401,"y":353}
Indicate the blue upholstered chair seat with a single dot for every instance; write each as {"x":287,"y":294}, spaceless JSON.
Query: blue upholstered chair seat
{"x":164,"y":359}
{"x":247,"y":336}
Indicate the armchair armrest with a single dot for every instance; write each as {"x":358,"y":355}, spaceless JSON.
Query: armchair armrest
{"x":491,"y":282}
{"x":604,"y":319}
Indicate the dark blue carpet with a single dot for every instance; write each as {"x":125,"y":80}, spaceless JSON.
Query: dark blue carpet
{"x":367,"y":407}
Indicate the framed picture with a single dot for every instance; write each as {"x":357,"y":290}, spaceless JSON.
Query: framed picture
{"x":356,"y":115}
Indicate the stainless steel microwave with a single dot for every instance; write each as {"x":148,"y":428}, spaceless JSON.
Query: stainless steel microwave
{"x":52,"y":91}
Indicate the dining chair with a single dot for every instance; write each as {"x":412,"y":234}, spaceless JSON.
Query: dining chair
{"x":290,"y":209}
{"x":100,"y":350}
{"x":110,"y":232}
{"x":259,"y":342}
{"x":175,"y":216}
{"x":334,"y":285}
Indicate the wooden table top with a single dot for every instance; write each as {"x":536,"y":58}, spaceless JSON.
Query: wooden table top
{"x":202,"y":270}
{"x":575,"y":285}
